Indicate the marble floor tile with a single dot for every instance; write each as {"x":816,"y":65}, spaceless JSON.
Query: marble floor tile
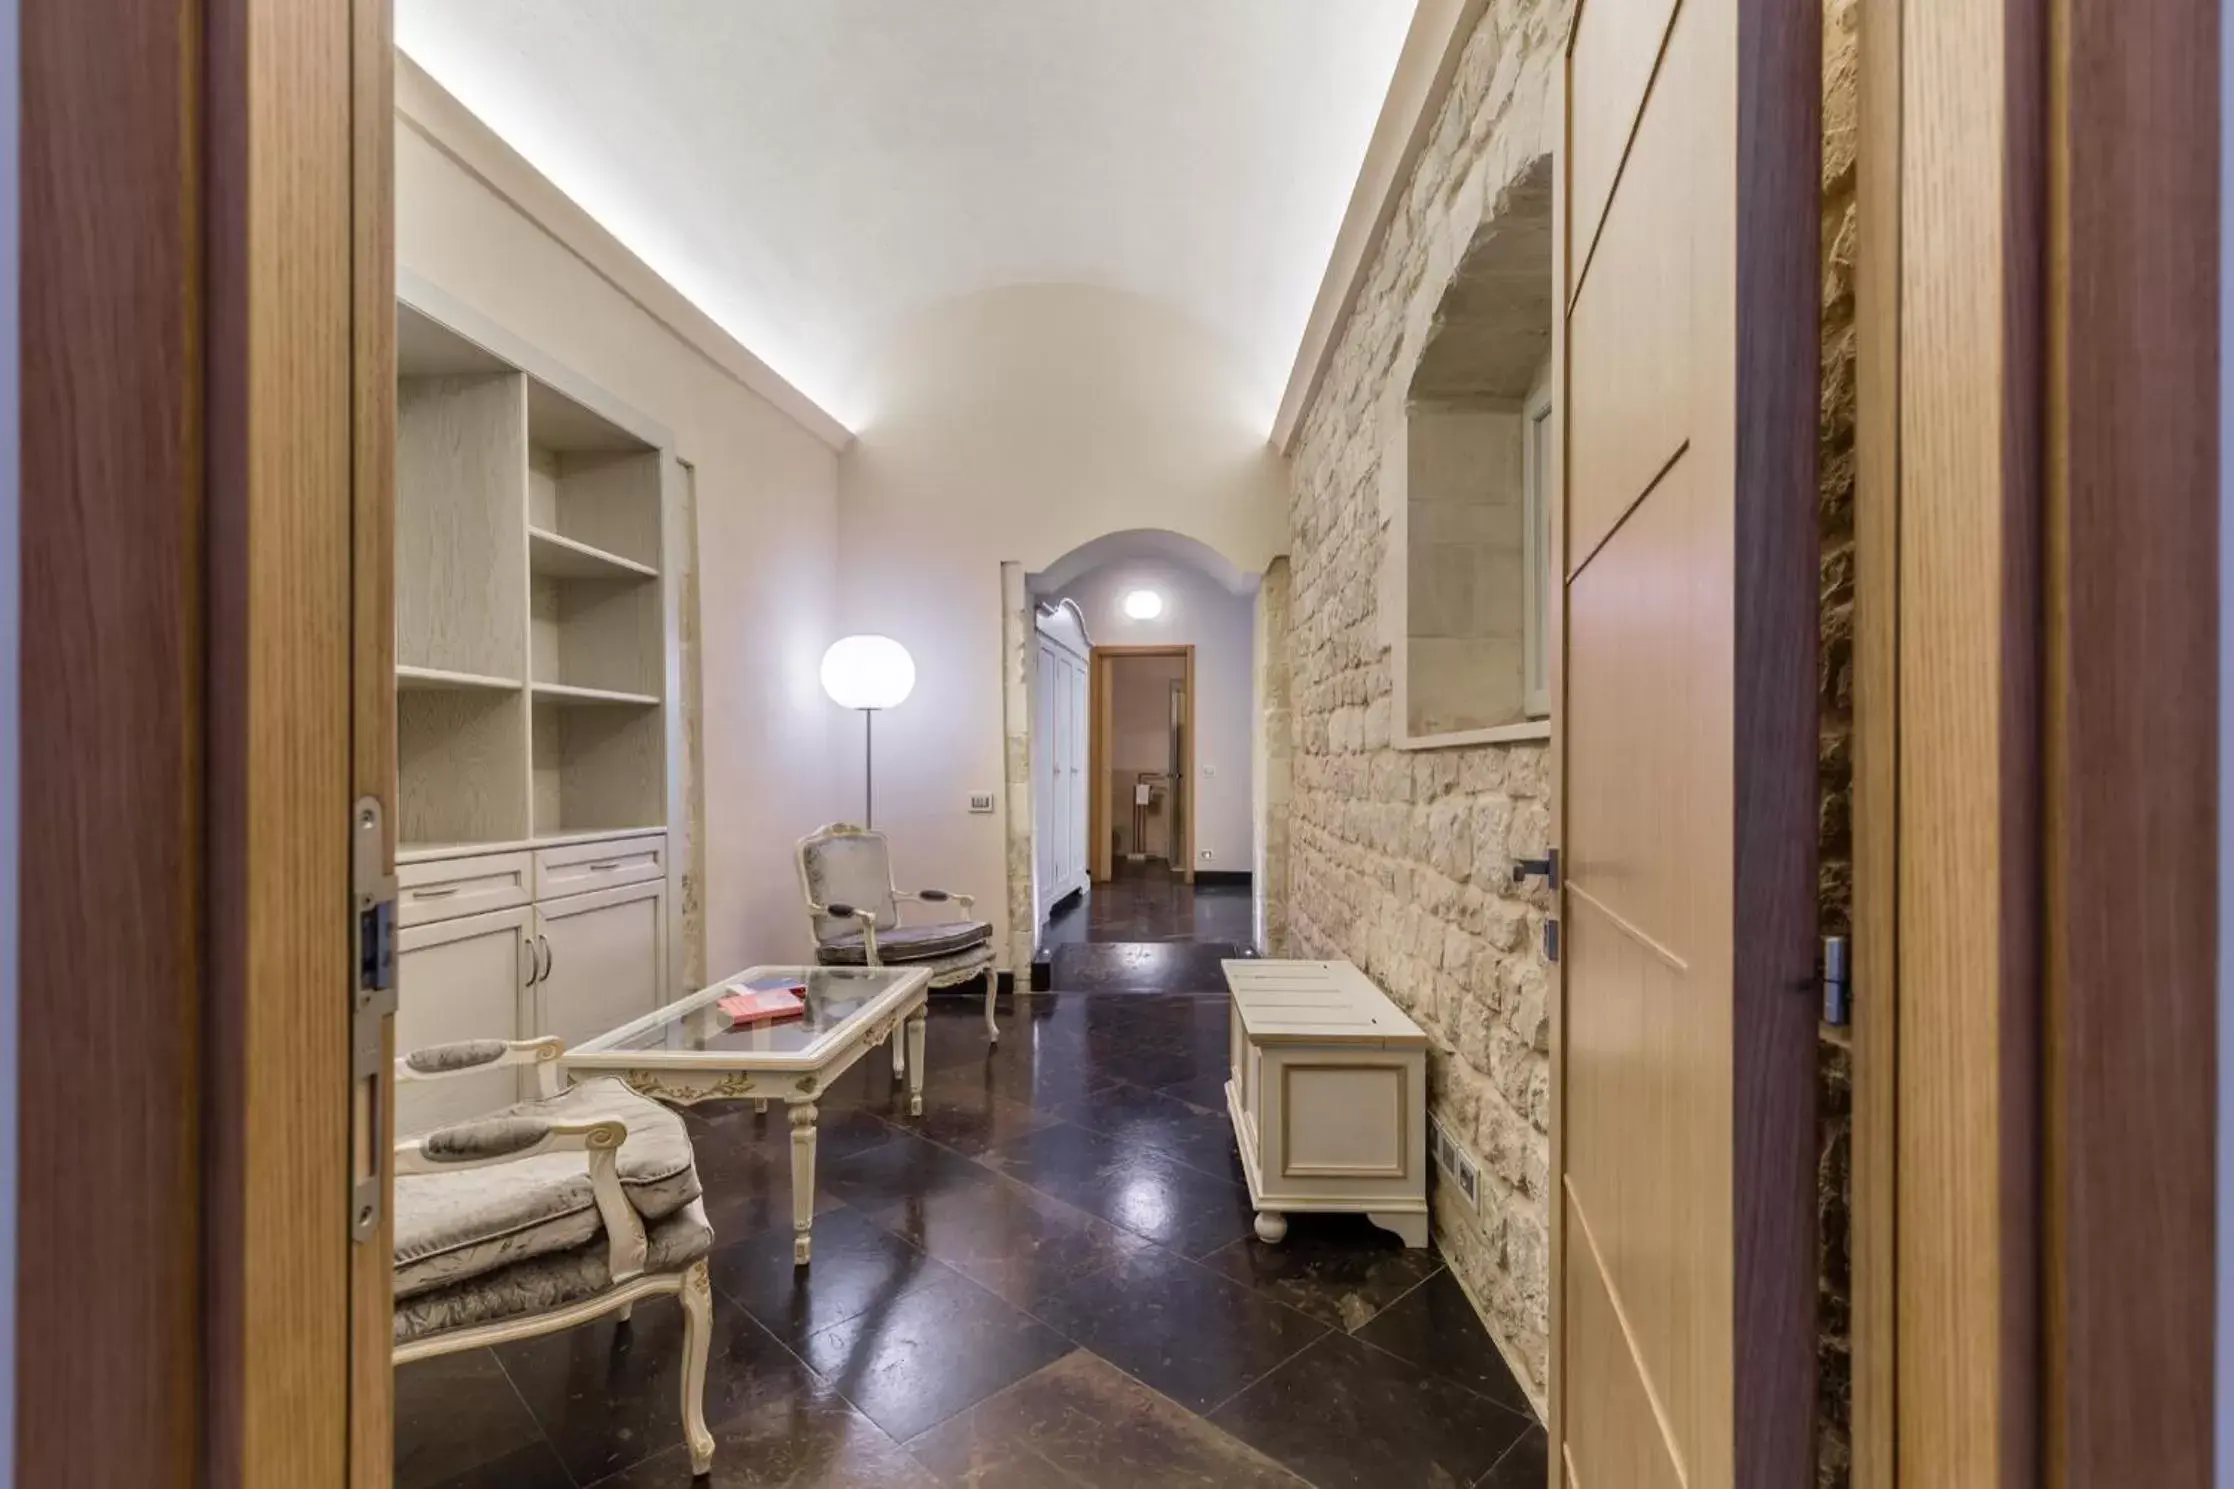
{"x":1345,"y":1415}
{"x":1196,"y":1136}
{"x":962,"y":1114}
{"x":1526,"y":1464}
{"x":906,"y":1165}
{"x":858,"y":1265}
{"x":609,"y":1394}
{"x":1341,"y":1269}
{"x":930,"y":1352}
{"x":461,"y":1425}
{"x":1435,"y":1327}
{"x":1194,"y":1335}
{"x":1140,"y":1189}
{"x":1007,"y":1237}
{"x":1147,"y":966}
{"x":812,"y":1439}
{"x":1083,"y":1423}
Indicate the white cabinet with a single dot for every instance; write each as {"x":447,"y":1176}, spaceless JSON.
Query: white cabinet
{"x":465,"y":978}
{"x":603,"y":959}
{"x":1059,"y":786}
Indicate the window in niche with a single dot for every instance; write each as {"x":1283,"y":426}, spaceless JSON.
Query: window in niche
{"x":1475,"y":574}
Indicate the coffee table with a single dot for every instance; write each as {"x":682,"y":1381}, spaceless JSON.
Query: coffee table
{"x":687,"y":1052}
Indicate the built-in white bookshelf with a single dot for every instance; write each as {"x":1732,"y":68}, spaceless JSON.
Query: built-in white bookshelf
{"x":531,"y":633}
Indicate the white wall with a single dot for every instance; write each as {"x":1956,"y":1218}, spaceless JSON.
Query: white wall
{"x":1019,"y":425}
{"x":1221,"y":626}
{"x":767,"y":493}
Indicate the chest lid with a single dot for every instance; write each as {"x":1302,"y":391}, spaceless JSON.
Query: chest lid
{"x":1316,"y":1002}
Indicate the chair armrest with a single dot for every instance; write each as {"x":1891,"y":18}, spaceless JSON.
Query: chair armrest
{"x":866,"y":918}
{"x":473,"y":1056}
{"x":968,"y":902}
{"x":488,"y":1141}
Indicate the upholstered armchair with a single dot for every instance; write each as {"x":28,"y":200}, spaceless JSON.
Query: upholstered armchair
{"x":854,"y":903}
{"x":548,"y":1214}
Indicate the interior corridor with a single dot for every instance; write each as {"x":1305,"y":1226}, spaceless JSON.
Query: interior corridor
{"x":1048,"y":1278}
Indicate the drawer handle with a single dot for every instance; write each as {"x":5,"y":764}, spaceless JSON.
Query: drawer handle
{"x":434,"y":894}
{"x":606,"y":867}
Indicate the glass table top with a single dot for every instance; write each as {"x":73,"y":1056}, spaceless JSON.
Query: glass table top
{"x":697,"y":1031}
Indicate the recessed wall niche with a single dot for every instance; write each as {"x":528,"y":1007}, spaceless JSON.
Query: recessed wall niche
{"x":1474,"y":570}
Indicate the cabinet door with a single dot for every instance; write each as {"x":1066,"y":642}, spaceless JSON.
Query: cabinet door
{"x":1058,"y":820}
{"x":604,"y":958}
{"x":1080,"y":712}
{"x":1047,"y":772}
{"x":461,"y":979}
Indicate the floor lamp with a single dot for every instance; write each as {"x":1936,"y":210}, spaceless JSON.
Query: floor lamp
{"x":868,"y":673}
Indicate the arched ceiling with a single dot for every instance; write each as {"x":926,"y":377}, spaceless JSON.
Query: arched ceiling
{"x":811,"y":172}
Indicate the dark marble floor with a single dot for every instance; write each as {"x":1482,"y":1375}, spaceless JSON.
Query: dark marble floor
{"x":1147,"y":902}
{"x":1047,"y":1279}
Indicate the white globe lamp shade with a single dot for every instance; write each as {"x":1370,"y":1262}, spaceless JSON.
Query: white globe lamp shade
{"x":868,"y":672}
{"x":1143,"y":604}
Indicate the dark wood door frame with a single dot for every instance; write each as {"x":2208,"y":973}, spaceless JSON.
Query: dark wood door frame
{"x":204,"y":239}
{"x":2037,"y":785}
{"x":1101,"y":699}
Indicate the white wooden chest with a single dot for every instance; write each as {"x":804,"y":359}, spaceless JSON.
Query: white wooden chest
{"x":1328,"y":1096}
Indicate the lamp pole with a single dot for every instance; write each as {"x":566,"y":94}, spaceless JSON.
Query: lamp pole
{"x":868,"y":767}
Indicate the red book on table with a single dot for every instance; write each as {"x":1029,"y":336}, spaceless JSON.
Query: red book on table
{"x":763,"y":1005}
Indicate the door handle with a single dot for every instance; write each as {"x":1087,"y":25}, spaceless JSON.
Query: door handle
{"x":1545,"y":868}
{"x":548,"y":958}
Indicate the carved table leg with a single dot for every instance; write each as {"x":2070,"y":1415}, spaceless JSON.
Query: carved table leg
{"x":917,"y":1022}
{"x":802,"y":1182}
{"x":899,"y":1060}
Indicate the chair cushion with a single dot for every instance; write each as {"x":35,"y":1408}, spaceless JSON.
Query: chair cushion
{"x":543,"y":1283}
{"x":908,"y":943}
{"x":450,"y":1227}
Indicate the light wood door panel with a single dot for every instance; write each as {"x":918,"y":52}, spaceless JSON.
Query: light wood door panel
{"x":1640,"y":303}
{"x":1615,"y":48}
{"x":1629,"y":1448}
{"x":1687,"y":1332}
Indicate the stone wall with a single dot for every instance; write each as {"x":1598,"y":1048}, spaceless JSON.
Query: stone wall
{"x":1400,"y":861}
{"x":1841,"y":61}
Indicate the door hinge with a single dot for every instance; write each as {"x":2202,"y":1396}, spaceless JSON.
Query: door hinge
{"x":372,"y":998}
{"x":1838,"y":982}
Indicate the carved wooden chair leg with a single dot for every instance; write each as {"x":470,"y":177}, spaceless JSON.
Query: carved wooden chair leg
{"x":698,"y":1333}
{"x":992,"y":987}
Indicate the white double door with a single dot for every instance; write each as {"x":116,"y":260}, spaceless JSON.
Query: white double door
{"x":573,"y":967}
{"x":1059,"y":793}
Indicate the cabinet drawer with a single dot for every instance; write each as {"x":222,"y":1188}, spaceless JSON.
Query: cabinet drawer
{"x":579,"y":868}
{"x":446,"y":888}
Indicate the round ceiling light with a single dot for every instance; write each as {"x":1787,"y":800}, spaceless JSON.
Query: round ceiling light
{"x":1143,"y":604}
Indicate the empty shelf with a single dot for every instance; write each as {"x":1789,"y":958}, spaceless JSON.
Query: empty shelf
{"x":559,"y":692}
{"x":434,"y":678}
{"x":565,"y":558}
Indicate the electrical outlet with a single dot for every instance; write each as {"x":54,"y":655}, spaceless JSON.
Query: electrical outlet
{"x":981,"y":801}
{"x":1469,"y":1179}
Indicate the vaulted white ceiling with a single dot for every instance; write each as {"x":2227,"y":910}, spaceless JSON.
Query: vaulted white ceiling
{"x":812,"y":172}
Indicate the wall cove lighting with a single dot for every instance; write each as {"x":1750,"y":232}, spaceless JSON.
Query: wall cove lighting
{"x":1143,"y":604}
